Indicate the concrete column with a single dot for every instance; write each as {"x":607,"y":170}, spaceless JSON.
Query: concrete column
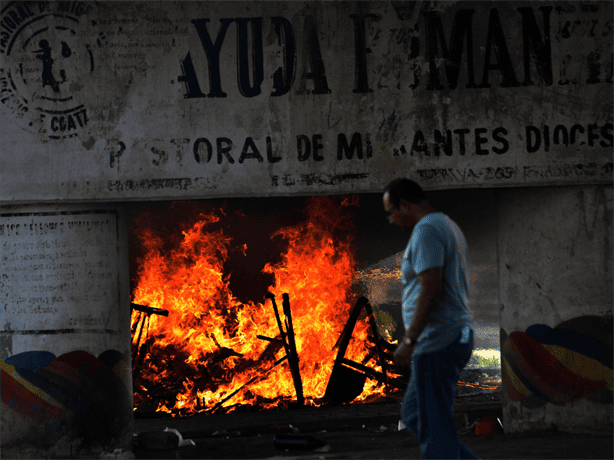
{"x":65,"y":337}
{"x":555,"y":283}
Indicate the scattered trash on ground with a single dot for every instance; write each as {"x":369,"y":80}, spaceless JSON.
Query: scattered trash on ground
{"x":182,"y":442}
{"x":168,"y":439}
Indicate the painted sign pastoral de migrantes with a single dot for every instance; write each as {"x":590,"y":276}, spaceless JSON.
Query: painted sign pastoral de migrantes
{"x":155,"y":100}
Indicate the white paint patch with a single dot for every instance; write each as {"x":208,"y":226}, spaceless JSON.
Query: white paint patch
{"x":59,"y":273}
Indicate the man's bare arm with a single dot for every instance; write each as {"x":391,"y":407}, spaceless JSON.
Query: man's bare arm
{"x":430,"y":282}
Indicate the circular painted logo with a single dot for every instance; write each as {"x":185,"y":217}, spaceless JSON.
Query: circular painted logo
{"x":47,"y":58}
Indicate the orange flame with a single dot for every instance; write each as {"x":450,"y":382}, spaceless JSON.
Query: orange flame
{"x":206,"y":353}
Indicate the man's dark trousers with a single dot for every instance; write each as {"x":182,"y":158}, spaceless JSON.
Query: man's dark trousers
{"x":428,"y":403}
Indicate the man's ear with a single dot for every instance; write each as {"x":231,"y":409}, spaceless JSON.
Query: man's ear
{"x":404,"y":205}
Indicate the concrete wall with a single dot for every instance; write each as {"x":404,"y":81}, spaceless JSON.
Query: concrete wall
{"x":65,"y":338}
{"x":555,"y":288}
{"x":140,"y":100}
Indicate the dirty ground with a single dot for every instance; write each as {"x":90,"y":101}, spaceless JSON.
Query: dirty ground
{"x":350,"y":431}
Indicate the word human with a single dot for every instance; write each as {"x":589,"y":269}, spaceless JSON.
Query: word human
{"x":476,"y":60}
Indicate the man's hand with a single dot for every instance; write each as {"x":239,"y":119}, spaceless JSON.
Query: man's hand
{"x":402,"y":355}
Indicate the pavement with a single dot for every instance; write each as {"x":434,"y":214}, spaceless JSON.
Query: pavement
{"x":347,"y":431}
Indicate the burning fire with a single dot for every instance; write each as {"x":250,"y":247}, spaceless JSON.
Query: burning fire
{"x":206,"y":355}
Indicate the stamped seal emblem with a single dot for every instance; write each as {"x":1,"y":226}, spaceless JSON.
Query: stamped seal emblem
{"x":47,"y":58}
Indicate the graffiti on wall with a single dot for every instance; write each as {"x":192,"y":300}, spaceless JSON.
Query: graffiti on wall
{"x":559,"y":365}
{"x":333,"y":97}
{"x":75,"y":396}
{"x":48,"y":57}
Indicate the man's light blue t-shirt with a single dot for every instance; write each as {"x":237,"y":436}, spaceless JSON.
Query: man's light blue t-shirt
{"x":437,"y":241}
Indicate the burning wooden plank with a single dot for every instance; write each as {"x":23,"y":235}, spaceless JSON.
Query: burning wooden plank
{"x":345,"y":380}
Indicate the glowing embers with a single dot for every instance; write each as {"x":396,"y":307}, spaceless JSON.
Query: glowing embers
{"x":208,"y":346}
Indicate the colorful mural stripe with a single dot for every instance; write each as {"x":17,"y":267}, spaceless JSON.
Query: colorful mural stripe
{"x":517,"y":389}
{"x":573,"y":340}
{"x":580,"y":364}
{"x":31,"y":360}
{"x":39,"y":385}
{"x":559,"y":365}
{"x":25,"y":398}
